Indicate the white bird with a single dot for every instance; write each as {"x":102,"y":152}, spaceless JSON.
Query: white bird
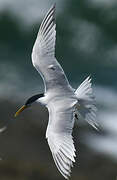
{"x":63,"y":102}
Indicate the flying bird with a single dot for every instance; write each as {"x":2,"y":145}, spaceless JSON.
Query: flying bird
{"x":65,"y":104}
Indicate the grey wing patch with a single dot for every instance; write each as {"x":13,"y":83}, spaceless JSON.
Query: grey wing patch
{"x":52,"y":67}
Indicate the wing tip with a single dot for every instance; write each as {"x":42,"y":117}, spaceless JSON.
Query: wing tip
{"x":54,"y":11}
{"x":63,"y":154}
{"x":53,"y":8}
{"x":54,"y":5}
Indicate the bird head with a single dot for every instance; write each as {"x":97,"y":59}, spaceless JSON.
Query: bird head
{"x":28,"y":103}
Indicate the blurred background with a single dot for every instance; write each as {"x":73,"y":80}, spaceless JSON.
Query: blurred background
{"x":86,"y":44}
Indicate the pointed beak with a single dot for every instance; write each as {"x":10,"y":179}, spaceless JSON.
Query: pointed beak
{"x":20,"y":110}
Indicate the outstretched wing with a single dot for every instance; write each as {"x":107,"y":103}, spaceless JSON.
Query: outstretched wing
{"x":43,"y":54}
{"x":59,"y":137}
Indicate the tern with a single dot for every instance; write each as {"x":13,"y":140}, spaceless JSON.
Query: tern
{"x":64,"y":103}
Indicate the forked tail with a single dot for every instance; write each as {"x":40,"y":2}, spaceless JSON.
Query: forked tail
{"x":86,"y":102}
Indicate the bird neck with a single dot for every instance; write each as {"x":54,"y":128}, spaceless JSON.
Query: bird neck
{"x":42,"y":100}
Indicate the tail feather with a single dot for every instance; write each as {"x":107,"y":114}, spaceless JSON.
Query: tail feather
{"x":86,"y":102}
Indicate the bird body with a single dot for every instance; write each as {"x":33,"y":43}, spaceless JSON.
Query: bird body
{"x":64,"y":103}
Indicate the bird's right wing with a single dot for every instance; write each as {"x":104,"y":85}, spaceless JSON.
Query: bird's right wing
{"x":43,"y":54}
{"x":59,"y":136}
{"x":63,"y":152}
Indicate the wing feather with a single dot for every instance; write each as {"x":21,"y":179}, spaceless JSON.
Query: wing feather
{"x":43,"y":55}
{"x":48,"y":15}
{"x":45,"y":42}
{"x":63,"y":153}
{"x":59,"y":135}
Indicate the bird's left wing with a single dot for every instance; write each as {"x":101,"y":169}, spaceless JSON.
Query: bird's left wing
{"x":43,"y":54}
{"x":59,"y":137}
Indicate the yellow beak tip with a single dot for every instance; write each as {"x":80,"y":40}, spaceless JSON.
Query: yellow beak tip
{"x":15,"y":115}
{"x":20,"y":110}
